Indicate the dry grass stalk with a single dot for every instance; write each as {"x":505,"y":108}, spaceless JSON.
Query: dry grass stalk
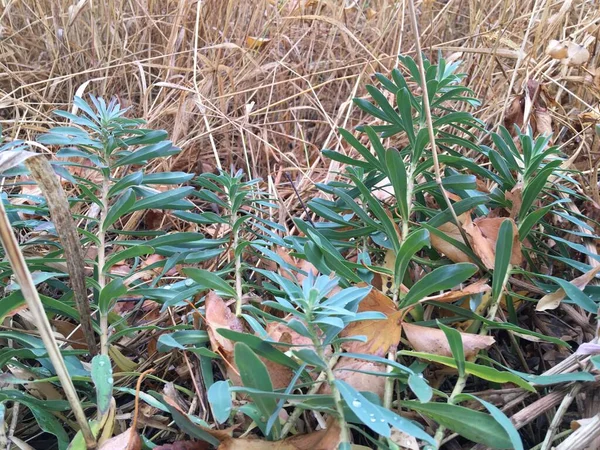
{"x":58,"y":205}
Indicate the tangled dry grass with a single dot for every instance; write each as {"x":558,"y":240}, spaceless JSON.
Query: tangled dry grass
{"x":263,"y":85}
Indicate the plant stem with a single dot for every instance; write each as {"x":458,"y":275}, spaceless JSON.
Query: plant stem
{"x":458,"y":388}
{"x":101,"y":263}
{"x":238,"y":270}
{"x":298,"y":411}
{"x":337,"y":398}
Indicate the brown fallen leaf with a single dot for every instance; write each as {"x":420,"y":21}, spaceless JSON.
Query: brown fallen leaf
{"x":128,"y":440}
{"x":552,"y":300}
{"x":476,"y":288}
{"x":483,"y":234}
{"x":381,"y":334}
{"x":218,"y":315}
{"x":432,"y":340}
{"x":328,"y":439}
{"x":185,"y":445}
{"x":255,"y":43}
{"x":301,"y":264}
{"x":347,"y":369}
{"x":446,"y":248}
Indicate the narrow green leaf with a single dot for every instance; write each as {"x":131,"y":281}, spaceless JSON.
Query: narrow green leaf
{"x":412,"y":244}
{"x":132,"y":252}
{"x":399,"y":179}
{"x":504,"y":245}
{"x":122,"y":206}
{"x":511,"y":431}
{"x":439,"y":279}
{"x":254,"y":374}
{"x":367,"y":412}
{"x":103,"y":381}
{"x":473,"y":425}
{"x":162,"y":200}
{"x":110,"y":293}
{"x":219,"y":399}
{"x":456,"y":346}
{"x":209,"y":280}
{"x":483,"y":372}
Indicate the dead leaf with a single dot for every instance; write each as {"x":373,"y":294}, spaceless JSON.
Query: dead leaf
{"x":557,"y":50}
{"x":128,"y":440}
{"x":403,"y":440}
{"x":347,"y":369}
{"x":184,"y":445}
{"x":381,"y":334}
{"x":218,"y":315}
{"x":254,"y":43}
{"x":552,"y":300}
{"x":328,"y":439}
{"x":12,"y":158}
{"x":476,"y":288}
{"x":432,"y":340}
{"x":300,"y":264}
{"x":577,"y":55}
{"x":483,"y":234}
{"x":446,"y":248}
{"x":280,"y":332}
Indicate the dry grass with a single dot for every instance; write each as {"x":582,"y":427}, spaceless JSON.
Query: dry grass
{"x":187,"y":66}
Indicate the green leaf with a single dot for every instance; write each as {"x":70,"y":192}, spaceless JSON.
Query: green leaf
{"x":504,"y":421}
{"x":440,"y":279}
{"x":219,"y":399}
{"x":412,"y":243}
{"x":50,"y":424}
{"x":122,"y":206}
{"x":163,"y":199}
{"x":110,"y":293}
{"x":473,"y":425}
{"x":103,"y":380}
{"x":260,"y":347}
{"x":132,"y":252}
{"x":367,"y":412}
{"x":254,"y":374}
{"x":133,"y":179}
{"x":399,"y":179}
{"x":459,"y":207}
{"x":186,"y":425}
{"x":483,"y":372}
{"x":310,"y":356}
{"x":456,"y":346}
{"x":209,"y":280}
{"x":419,"y":386}
{"x":504,"y":246}
{"x":158,"y":150}
{"x":532,"y":219}
{"x":578,"y":297}
{"x":10,"y":304}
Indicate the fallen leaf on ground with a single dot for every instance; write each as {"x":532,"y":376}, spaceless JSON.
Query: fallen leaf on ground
{"x":381,"y":334}
{"x":552,"y":300}
{"x":432,"y":340}
{"x":445,"y":247}
{"x":128,"y":440}
{"x":328,"y":439}
{"x":483,"y":234}
{"x":476,"y":288}
{"x":184,"y":445}
{"x":256,"y":42}
{"x":218,"y":315}
{"x":347,"y":369}
{"x":300,"y":264}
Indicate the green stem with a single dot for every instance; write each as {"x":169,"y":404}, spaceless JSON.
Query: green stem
{"x":337,"y":398}
{"x":238,"y":273}
{"x":101,"y":263}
